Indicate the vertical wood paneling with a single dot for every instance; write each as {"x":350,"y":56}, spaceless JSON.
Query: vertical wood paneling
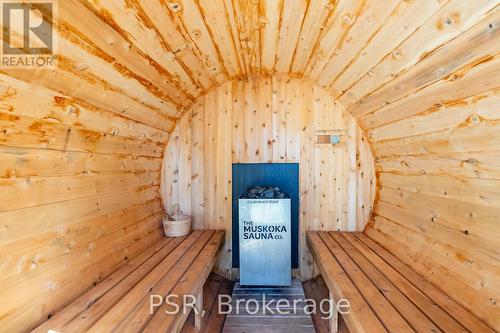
{"x":198,"y":164}
{"x":307,"y":185}
{"x":293,"y":105}
{"x":223,"y":194}
{"x":170,"y":188}
{"x":185,"y":159}
{"x":279,"y":119}
{"x":242,"y":118}
{"x":238,"y":121}
{"x":210,"y":130}
{"x":250,"y":140}
{"x":265,"y":122}
{"x":352,"y":180}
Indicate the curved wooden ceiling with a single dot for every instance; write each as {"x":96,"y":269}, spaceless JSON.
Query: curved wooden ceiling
{"x":369,"y":53}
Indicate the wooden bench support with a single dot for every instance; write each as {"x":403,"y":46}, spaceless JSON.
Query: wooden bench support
{"x":198,"y":310}
{"x":385,"y":295}
{"x":174,"y":266}
{"x":334,"y":319}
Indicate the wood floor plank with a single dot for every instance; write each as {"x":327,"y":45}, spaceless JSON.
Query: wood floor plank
{"x":212,"y":321}
{"x":215,"y":320}
{"x":317,"y":290}
{"x":269,"y":329}
{"x":445,"y":302}
{"x":277,"y":321}
{"x":259,"y":312}
{"x":412,"y":314}
{"x":269,"y":291}
{"x":387,"y":314}
{"x":68,"y":313}
{"x":361,"y":317}
{"x":119,"y":312}
{"x":190,"y":284}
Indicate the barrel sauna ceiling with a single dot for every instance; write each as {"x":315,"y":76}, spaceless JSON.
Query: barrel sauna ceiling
{"x":420,"y":77}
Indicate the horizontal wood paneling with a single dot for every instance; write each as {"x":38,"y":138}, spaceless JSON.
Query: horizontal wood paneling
{"x":79,"y":196}
{"x":81,"y":149}
{"x":438,"y":169}
{"x":269,"y":119}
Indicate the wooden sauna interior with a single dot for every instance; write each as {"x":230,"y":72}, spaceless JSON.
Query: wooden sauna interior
{"x":152,"y":102}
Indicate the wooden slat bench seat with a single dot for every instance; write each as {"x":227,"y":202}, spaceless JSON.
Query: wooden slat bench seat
{"x":385,"y":295}
{"x":121,"y":303}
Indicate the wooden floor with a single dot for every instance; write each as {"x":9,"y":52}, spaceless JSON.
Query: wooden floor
{"x":216,"y":285}
{"x":212,"y":321}
{"x":249,"y":319}
{"x":317,"y":290}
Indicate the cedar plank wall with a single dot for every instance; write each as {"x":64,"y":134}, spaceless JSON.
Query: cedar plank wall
{"x":79,"y":194}
{"x":265,"y":119}
{"x":438,"y":167}
{"x":434,"y":126}
{"x":81,"y":150}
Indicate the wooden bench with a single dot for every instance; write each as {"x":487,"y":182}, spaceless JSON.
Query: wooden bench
{"x":121,"y":303}
{"x":385,"y":295}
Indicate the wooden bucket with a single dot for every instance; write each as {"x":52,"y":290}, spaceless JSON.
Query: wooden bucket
{"x":176,"y":225}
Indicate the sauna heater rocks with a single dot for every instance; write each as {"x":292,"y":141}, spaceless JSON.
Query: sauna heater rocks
{"x":265,"y":240}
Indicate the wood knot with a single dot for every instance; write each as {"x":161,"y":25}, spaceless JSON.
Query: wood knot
{"x":448,"y":21}
{"x":475,"y":119}
{"x":471,"y":161}
{"x":175,"y":7}
{"x":396,"y":54}
{"x":347,"y":19}
{"x":196,"y":33}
